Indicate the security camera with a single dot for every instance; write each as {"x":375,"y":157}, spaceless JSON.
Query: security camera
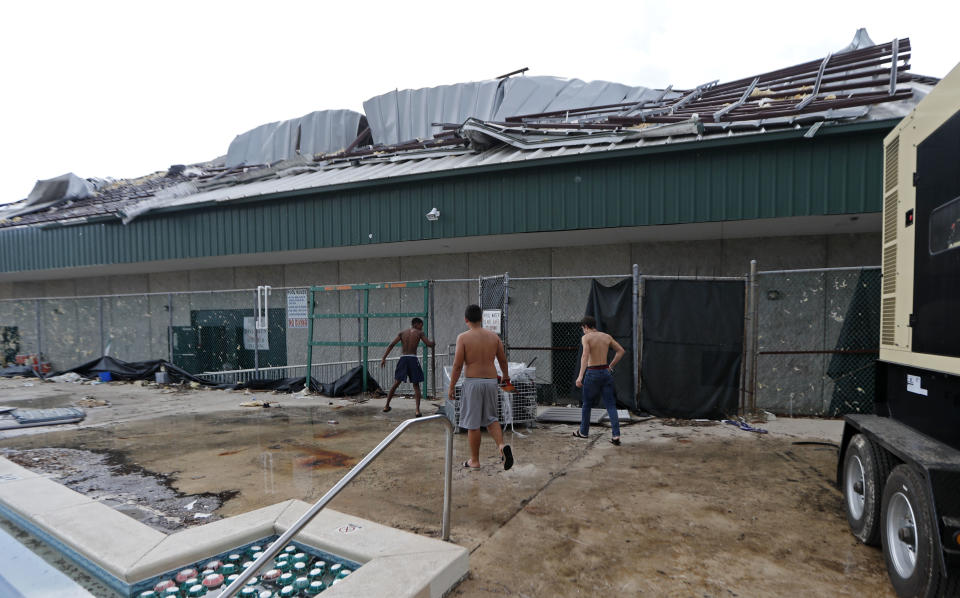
{"x":433,"y":215}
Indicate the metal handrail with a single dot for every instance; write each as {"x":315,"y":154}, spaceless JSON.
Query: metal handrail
{"x":280,"y":542}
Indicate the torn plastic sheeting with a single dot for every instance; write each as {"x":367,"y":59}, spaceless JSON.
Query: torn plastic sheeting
{"x":133,"y":370}
{"x":50,"y":192}
{"x":277,"y":385}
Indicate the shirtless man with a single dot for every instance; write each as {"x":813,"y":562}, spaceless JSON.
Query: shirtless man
{"x":597,"y":377}
{"x":408,"y":368}
{"x":476,"y":350}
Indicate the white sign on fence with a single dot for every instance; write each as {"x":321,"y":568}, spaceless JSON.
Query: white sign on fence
{"x":251,"y":339}
{"x":491,"y":320}
{"x":297,"y":308}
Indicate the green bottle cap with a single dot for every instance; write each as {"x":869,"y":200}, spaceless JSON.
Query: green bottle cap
{"x":299,"y":569}
{"x":315,"y":588}
{"x":290,"y":549}
{"x":256,"y":555}
{"x":228,"y":569}
{"x":344,"y":573}
{"x":335,"y":568}
{"x":315,"y":573}
{"x":300,"y":557}
{"x":286,"y":579}
{"x":284,"y":565}
{"x":148,"y":594}
{"x":301,"y":583}
{"x":287,"y":591}
{"x":185,"y":586}
{"x":255,"y":548}
{"x":173,"y":592}
{"x":235,"y":558}
{"x":163,"y":585}
{"x":197,"y":591}
{"x":232,"y":578}
{"x":249,"y":592}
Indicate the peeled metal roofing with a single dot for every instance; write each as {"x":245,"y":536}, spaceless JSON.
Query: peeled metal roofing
{"x":318,"y":132}
{"x":402,"y":115}
{"x":430,"y":161}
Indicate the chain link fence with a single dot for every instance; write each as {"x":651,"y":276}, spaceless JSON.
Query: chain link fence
{"x":817,"y":340}
{"x":214,"y":333}
{"x":542,"y":323}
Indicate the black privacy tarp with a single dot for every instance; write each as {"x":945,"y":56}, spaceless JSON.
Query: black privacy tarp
{"x":275,"y":384}
{"x":852,"y":367}
{"x":613,"y":308}
{"x":349,"y":384}
{"x":692,"y":348}
{"x":133,"y":370}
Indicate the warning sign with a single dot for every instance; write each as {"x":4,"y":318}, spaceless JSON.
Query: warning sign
{"x":297,"y":308}
{"x":491,"y":320}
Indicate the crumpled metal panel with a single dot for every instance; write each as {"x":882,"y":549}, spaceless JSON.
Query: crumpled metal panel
{"x":408,"y":114}
{"x":320,"y":132}
{"x":50,"y":192}
{"x":533,"y":95}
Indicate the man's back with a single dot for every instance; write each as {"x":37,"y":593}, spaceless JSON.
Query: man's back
{"x":480,"y":348}
{"x":598,"y":347}
{"x":410,"y":339}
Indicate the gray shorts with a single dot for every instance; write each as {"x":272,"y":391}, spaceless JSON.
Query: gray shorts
{"x":478,"y":403}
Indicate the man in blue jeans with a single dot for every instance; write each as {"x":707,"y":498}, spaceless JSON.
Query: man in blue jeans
{"x":596,"y":376}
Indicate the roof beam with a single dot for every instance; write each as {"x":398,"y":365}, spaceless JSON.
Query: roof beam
{"x":893,"y":65}
{"x":743,"y":98}
{"x":816,"y":85}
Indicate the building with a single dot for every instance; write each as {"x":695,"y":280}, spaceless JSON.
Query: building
{"x":532,"y":176}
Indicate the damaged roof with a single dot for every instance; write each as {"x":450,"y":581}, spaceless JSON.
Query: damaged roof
{"x":525,"y":119}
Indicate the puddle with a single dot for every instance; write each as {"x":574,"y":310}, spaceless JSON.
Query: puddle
{"x":228,"y":462}
{"x":44,"y":402}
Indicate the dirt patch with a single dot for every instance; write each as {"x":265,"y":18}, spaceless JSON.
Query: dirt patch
{"x":112,"y":480}
{"x":681,"y":509}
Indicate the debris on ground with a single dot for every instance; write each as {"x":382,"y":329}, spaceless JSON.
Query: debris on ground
{"x":69,"y":377}
{"x":743,"y":425}
{"x":264,"y":404}
{"x":89,"y":402}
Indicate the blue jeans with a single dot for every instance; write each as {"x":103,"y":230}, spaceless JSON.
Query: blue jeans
{"x":598,"y":381}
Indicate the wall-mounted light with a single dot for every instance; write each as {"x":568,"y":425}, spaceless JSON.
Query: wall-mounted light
{"x":433,"y":215}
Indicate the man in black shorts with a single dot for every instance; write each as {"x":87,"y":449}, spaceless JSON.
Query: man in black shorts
{"x":408,"y":368}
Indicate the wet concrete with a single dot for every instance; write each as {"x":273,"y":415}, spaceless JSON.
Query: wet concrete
{"x":678,"y":510}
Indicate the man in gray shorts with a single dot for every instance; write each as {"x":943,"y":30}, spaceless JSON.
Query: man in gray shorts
{"x":476,"y":350}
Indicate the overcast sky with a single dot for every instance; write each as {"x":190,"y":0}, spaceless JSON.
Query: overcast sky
{"x":125,"y":89}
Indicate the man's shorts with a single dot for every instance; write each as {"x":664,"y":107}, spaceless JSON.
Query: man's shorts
{"x":478,"y":403}
{"x":408,"y":368}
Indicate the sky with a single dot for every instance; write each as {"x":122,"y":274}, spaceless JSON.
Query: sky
{"x":124,"y":89}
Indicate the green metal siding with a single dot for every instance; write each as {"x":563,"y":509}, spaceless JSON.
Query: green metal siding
{"x":829,"y":174}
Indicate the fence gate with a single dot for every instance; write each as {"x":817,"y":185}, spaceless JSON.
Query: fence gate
{"x":692,"y":349}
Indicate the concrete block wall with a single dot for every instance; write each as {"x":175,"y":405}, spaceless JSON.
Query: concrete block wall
{"x":137,"y":327}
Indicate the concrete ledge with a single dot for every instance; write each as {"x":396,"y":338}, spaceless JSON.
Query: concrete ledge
{"x":106,"y":537}
{"x":394,"y":562}
{"x":11,"y":472}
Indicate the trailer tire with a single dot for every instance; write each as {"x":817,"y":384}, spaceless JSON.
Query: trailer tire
{"x":908,"y":534}
{"x":865,"y":468}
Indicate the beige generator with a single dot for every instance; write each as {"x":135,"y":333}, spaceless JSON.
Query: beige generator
{"x":899,"y":469}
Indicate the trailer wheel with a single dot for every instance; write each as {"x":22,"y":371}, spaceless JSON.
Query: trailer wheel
{"x":908,"y":535}
{"x":865,"y":467}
